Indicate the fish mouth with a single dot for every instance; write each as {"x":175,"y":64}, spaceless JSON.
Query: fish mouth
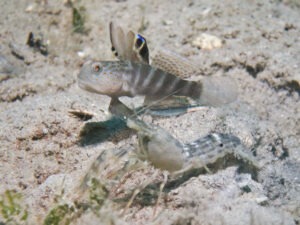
{"x":90,"y":86}
{"x":82,"y":84}
{"x":86,"y":85}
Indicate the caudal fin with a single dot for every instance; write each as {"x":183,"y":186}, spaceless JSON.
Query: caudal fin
{"x":218,"y":91}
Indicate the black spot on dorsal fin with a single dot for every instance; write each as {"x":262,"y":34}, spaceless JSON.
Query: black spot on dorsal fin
{"x":142,"y":47}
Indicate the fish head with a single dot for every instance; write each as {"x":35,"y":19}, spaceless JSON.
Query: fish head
{"x":105,"y":77}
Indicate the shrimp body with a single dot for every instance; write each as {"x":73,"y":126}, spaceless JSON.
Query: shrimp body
{"x":167,"y":153}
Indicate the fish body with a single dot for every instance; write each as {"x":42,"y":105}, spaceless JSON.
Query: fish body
{"x":127,"y":78}
{"x":133,"y":76}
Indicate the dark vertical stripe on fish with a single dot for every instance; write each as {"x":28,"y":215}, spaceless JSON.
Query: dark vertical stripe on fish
{"x":147,"y":80}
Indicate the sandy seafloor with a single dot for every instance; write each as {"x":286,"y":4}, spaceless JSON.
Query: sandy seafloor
{"x":39,"y":152}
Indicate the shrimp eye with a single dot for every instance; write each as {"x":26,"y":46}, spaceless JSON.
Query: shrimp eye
{"x":96,"y":68}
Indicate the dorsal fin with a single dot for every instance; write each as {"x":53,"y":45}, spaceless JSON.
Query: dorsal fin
{"x":131,"y":46}
{"x":175,"y":64}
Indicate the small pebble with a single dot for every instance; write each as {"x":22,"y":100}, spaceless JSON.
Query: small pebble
{"x":207,"y":42}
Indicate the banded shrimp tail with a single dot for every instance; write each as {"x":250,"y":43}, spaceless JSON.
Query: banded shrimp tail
{"x":167,"y":153}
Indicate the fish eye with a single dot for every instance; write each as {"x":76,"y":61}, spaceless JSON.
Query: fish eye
{"x":96,"y":67}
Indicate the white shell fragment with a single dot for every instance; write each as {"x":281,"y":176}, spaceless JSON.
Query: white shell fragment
{"x":30,"y":8}
{"x":207,"y":42}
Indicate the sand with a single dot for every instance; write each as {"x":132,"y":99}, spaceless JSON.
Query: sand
{"x":257,"y":45}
